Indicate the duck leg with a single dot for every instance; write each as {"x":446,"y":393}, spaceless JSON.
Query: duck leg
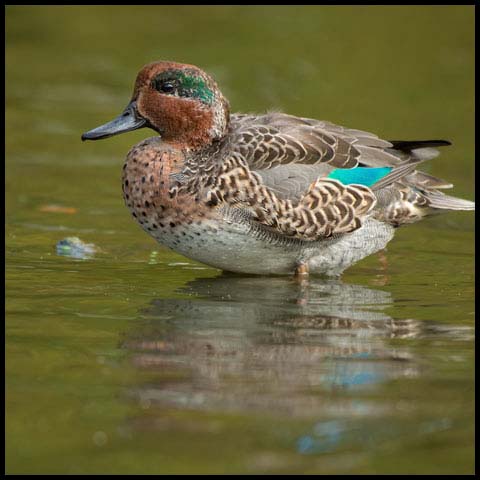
{"x":301,"y":270}
{"x":382,"y":257}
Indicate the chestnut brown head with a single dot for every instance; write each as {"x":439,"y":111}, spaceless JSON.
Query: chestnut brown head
{"x":180,"y":102}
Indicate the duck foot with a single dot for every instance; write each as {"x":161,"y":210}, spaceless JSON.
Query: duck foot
{"x":302,"y":269}
{"x":301,"y":272}
{"x":301,"y":276}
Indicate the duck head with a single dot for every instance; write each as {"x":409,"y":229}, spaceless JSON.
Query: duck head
{"x":180,"y":102}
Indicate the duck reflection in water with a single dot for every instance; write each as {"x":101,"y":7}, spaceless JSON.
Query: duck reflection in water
{"x":237,"y":343}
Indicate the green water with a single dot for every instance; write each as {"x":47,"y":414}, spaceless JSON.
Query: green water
{"x":138,"y":360}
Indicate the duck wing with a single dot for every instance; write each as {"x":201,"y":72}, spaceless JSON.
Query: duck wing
{"x":274,"y":140}
{"x":294,"y":177}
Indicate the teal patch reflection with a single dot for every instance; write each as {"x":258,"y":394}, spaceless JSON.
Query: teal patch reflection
{"x":348,"y":375}
{"x":327,"y":435}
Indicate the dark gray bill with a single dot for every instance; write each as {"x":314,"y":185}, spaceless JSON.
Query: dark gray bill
{"x":126,"y":122}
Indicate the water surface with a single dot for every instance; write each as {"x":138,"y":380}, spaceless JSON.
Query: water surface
{"x":137,"y":360}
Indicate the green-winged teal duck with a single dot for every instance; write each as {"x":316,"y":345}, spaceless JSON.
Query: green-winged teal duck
{"x":265,"y":194}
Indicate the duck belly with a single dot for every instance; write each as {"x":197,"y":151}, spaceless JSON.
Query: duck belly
{"x":249,"y":249}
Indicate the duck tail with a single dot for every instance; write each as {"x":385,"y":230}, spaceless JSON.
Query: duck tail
{"x":440,"y":201}
{"x":409,"y":145}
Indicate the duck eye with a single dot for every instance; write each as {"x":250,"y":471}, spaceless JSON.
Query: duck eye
{"x":167,"y":87}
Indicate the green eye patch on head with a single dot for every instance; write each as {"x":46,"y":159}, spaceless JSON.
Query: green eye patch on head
{"x":183,"y":83}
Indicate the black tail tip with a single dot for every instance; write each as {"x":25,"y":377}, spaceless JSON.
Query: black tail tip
{"x":409,"y":145}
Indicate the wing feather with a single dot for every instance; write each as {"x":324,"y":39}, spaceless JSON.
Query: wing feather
{"x":277,"y":140}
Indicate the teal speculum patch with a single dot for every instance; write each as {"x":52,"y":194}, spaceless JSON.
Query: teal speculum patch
{"x":367,"y":176}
